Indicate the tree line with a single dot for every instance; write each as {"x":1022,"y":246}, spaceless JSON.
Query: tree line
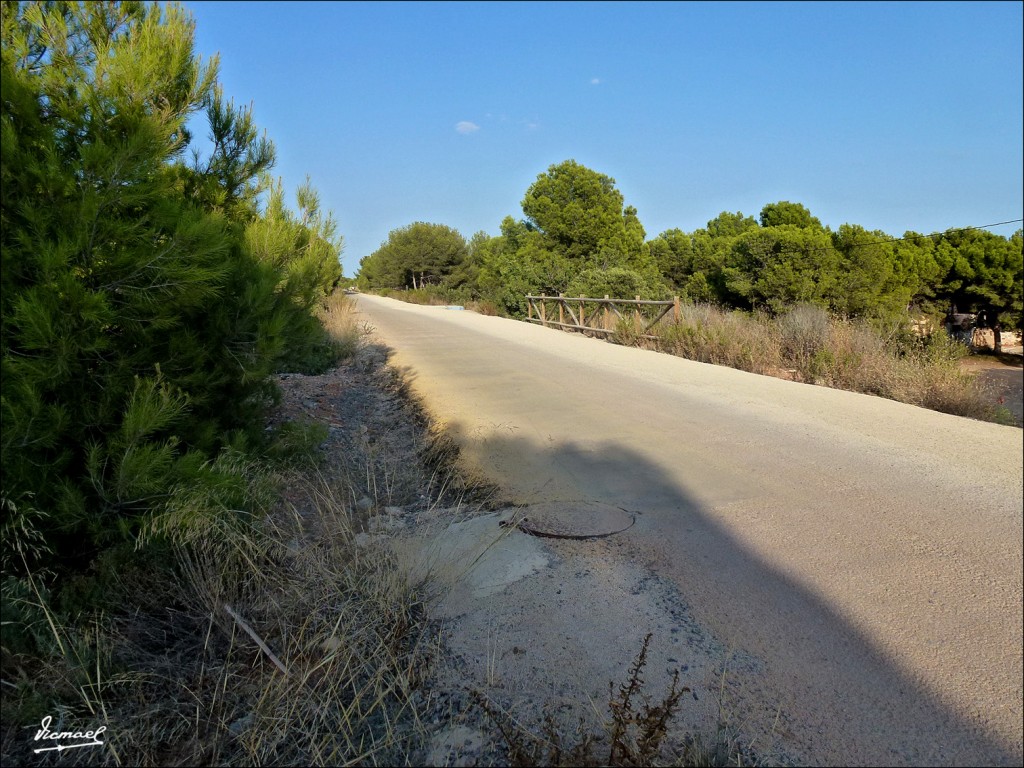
{"x":149,"y":294}
{"x":577,"y":237}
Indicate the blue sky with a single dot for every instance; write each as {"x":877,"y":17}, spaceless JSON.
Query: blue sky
{"x":895,"y":116}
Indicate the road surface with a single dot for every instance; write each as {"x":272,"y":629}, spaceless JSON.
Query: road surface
{"x":866,"y":553}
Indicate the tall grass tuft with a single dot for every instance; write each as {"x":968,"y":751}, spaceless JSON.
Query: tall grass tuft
{"x":338,"y":318}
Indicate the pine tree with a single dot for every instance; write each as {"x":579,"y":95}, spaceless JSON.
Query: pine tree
{"x":140,"y":325}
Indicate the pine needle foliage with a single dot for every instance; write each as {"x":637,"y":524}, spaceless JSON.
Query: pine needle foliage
{"x":146,"y":299}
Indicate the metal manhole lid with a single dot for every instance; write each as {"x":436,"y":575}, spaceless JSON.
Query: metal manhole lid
{"x":575,"y":520}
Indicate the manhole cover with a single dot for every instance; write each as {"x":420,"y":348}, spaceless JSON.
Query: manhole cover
{"x":574,"y":520}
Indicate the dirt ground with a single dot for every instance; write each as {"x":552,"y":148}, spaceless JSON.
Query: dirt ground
{"x":1005,"y":375}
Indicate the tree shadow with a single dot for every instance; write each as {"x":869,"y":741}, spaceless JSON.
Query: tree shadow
{"x":842,"y":698}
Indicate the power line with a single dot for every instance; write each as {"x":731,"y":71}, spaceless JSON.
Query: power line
{"x":946,"y":232}
{"x":900,"y":239}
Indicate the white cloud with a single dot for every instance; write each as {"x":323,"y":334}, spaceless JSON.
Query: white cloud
{"x":595,"y":81}
{"x":464,"y":126}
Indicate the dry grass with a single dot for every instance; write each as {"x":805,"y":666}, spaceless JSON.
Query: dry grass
{"x":635,"y":731}
{"x":710,"y":335}
{"x":809,"y":346}
{"x":263,"y":635}
{"x":347,"y":629}
{"x":338,"y":318}
{"x":485,"y":307}
{"x":279,"y":641}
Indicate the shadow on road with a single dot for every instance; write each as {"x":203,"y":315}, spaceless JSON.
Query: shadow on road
{"x":844,"y":701}
{"x":850,"y":699}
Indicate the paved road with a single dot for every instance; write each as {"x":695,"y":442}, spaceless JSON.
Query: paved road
{"x":867,"y":553}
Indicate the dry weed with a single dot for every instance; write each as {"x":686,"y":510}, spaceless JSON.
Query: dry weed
{"x":634,"y":733}
{"x":807,"y":345}
{"x":281,"y":642}
{"x":339,"y":320}
{"x":709,"y":335}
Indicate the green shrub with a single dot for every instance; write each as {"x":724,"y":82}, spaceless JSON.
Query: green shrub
{"x":146,"y":302}
{"x":297,"y":442}
{"x":616,"y":283}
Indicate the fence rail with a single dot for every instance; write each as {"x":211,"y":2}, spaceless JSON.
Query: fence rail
{"x":645,"y":314}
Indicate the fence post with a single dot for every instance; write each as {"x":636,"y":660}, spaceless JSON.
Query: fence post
{"x":604,"y":321}
{"x":675,"y":309}
{"x":529,"y":308}
{"x":561,"y":309}
{"x":543,"y":318}
{"x":583,"y":322}
{"x":636,"y":315}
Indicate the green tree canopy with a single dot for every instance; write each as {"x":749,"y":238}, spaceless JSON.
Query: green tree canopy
{"x":580,"y":213}
{"x":728,"y":224}
{"x":576,"y":227}
{"x":617,"y":282}
{"x":575,"y":223}
{"x":145,"y":301}
{"x":414,"y":255}
{"x":519,"y":262}
{"x":577,"y":210}
{"x":466,"y":276}
{"x":872,"y":281}
{"x":672,"y":253}
{"x":777,"y":267}
{"x":982,"y":272}
{"x":785,"y":213}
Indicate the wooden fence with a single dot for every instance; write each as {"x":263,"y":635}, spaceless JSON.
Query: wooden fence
{"x":604,"y":315}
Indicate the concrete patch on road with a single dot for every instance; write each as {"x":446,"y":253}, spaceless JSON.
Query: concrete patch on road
{"x":472,"y":558}
{"x":476,"y":557}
